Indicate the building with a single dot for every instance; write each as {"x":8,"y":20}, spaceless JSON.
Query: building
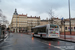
{"x":43,"y":22}
{"x":67,"y":26}
{"x":23,"y":23}
{"x":57,"y":21}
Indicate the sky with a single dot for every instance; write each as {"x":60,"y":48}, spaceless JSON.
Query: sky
{"x":37,"y":8}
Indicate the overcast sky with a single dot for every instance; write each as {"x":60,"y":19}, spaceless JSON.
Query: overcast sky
{"x":37,"y":8}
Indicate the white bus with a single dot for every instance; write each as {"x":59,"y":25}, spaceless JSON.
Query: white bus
{"x":46,"y":31}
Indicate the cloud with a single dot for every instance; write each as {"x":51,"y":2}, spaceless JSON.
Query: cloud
{"x":37,"y":7}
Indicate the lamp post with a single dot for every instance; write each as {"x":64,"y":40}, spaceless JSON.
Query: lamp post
{"x":69,"y":16}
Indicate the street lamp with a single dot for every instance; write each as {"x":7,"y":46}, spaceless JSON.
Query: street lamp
{"x":69,"y":16}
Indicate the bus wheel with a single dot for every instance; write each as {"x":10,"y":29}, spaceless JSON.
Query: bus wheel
{"x":41,"y":36}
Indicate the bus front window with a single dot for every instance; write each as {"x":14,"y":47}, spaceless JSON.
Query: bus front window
{"x":53,"y":26}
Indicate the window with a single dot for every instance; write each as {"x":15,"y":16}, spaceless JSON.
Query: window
{"x":71,"y":28}
{"x":53,"y":26}
{"x":42,"y":29}
{"x":74,"y":28}
{"x":65,"y":28}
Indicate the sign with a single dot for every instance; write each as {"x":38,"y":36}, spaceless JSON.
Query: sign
{"x":62,"y":18}
{"x":71,"y":28}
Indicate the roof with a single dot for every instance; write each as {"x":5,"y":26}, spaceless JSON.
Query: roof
{"x":34,"y":17}
{"x":56,"y":18}
{"x":29,"y":17}
{"x":43,"y":25}
{"x":22,"y":15}
{"x":44,"y":20}
{"x":39,"y":26}
{"x":68,"y":19}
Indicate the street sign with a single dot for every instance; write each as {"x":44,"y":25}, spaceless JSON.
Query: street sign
{"x":62,"y":21}
{"x":62,"y":18}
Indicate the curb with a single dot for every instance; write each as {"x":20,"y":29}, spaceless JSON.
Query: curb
{"x":67,"y":40}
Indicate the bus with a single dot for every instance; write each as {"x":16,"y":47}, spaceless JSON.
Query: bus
{"x":46,"y":31}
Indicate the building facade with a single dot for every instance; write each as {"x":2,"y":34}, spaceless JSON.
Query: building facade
{"x":23,"y":23}
{"x":57,"y":21}
{"x":67,"y":25}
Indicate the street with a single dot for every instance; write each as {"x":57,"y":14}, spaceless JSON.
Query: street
{"x":18,"y":41}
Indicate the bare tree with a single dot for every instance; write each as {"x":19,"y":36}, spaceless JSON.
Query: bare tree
{"x":51,"y":14}
{"x":0,"y":16}
{"x":0,"y":13}
{"x":3,"y":19}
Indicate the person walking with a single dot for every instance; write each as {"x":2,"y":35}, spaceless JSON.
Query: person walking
{"x":3,"y":32}
{"x":8,"y":29}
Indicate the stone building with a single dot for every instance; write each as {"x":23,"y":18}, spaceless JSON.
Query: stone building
{"x":54,"y":21}
{"x":67,"y":26}
{"x":23,"y":23}
{"x":57,"y":21}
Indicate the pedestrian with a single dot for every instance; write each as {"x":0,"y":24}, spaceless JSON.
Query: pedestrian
{"x":8,"y":29}
{"x":3,"y":32}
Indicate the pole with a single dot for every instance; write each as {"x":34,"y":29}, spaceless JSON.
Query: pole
{"x":69,"y":16}
{"x":64,"y":30}
{"x":61,"y":26}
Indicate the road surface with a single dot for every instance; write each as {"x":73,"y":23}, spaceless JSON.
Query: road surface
{"x":25,"y":42}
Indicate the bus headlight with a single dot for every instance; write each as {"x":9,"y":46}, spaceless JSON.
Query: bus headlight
{"x":32,"y":33}
{"x":49,"y":35}
{"x":58,"y":35}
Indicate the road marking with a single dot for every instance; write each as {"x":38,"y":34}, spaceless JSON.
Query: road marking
{"x":4,"y":41}
{"x":7,"y":41}
{"x":5,"y":46}
{"x":9,"y":45}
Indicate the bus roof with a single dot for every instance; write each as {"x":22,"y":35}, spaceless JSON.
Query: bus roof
{"x":39,"y":26}
{"x":43,"y":25}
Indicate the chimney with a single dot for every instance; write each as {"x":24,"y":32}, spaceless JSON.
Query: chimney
{"x":35,"y":16}
{"x":39,"y":16}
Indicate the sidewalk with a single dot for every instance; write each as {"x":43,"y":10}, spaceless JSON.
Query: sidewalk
{"x":70,"y":38}
{"x":29,"y":33}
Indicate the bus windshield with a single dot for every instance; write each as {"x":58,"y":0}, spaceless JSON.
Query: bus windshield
{"x":53,"y":26}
